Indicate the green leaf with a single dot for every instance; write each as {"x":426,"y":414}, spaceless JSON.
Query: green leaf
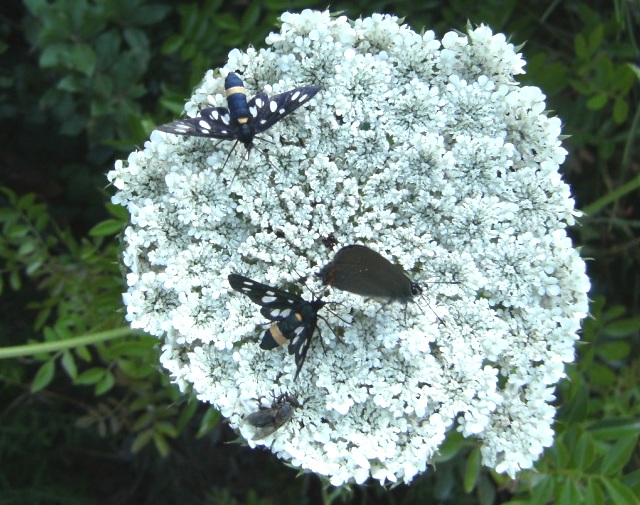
{"x":83,"y":59}
{"x":620,"y":110}
{"x":486,"y":490}
{"x":615,"y":351}
{"x":36,"y":7}
{"x":161,"y":443}
{"x":472,"y":470}
{"x":172,"y":44}
{"x":632,"y":480}
{"x":209,"y":421}
{"x":105,"y":384}
{"x":106,"y":228}
{"x":83,"y":353}
{"x":135,"y":369}
{"x":569,"y":493}
{"x":167,"y":429}
{"x":451,"y":447}
{"x":595,"y":39}
{"x":619,"y":493}
{"x":149,"y":14}
{"x":593,"y":493}
{"x":623,"y":327}
{"x":598,"y":101}
{"x":118,"y":211}
{"x":15,"y":281}
{"x":33,"y":267}
{"x":91,"y":376}
{"x":143,"y":347}
{"x":138,"y":41}
{"x":580,"y":46}
{"x":17,"y":232}
{"x":43,"y":376}
{"x":583,"y":453}
{"x":543,"y":490}
{"x":52,"y":55}
{"x":186,"y":414}
{"x":601,"y":375}
{"x":27,"y":248}
{"x":141,"y":440}
{"x":576,"y":407}
{"x":71,"y":83}
{"x":147,"y":418}
{"x":251,"y":16}
{"x":618,"y":455}
{"x":635,"y":69}
{"x":69,"y":364}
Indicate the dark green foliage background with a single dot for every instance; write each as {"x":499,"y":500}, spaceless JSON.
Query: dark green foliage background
{"x":90,"y":419}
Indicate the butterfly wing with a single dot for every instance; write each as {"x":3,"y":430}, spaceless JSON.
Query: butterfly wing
{"x":296,"y":319}
{"x":300,"y":341}
{"x":213,"y":122}
{"x":276,"y":304}
{"x":270,"y":110}
{"x":363,"y":271}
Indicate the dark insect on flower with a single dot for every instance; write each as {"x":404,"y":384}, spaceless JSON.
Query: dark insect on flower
{"x":243,"y":119}
{"x":363,"y":271}
{"x":330,"y":241}
{"x":294,"y":319}
{"x":269,"y":419}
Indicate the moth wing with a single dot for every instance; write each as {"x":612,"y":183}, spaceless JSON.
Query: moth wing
{"x":212,"y":122}
{"x":274,"y":108}
{"x":300,"y":343}
{"x":276,"y":304}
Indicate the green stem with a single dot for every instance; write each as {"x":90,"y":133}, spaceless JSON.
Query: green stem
{"x":598,"y":205}
{"x":59,"y":345}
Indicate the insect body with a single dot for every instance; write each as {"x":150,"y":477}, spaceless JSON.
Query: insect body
{"x":294,"y":318}
{"x":267,"y":420}
{"x":363,"y":271}
{"x":243,"y":119}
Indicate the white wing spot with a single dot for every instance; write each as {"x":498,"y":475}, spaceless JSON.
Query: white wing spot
{"x":273,"y":106}
{"x":204,"y":125}
{"x":215,"y":115}
{"x":295,"y":96}
{"x":226,"y":119}
{"x":280,"y":312}
{"x":259,"y":103}
{"x":281,"y":112}
{"x":303,"y":98}
{"x":253,"y":111}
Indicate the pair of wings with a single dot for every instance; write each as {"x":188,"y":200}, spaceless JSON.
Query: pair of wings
{"x":363,"y":271}
{"x":281,"y":306}
{"x":264,"y":112}
{"x":267,"y":420}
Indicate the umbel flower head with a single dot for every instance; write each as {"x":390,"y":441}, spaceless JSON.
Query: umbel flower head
{"x":424,"y":150}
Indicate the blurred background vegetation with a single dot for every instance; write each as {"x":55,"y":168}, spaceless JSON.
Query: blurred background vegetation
{"x":86,"y":416}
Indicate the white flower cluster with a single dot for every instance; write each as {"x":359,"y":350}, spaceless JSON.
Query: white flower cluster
{"x":426,"y":151}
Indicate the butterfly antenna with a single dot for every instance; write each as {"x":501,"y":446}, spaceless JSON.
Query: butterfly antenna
{"x":332,"y":330}
{"x":266,"y":157}
{"x":335,"y":314}
{"x":440,"y":320}
{"x":227,"y":159}
{"x":262,"y":139}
